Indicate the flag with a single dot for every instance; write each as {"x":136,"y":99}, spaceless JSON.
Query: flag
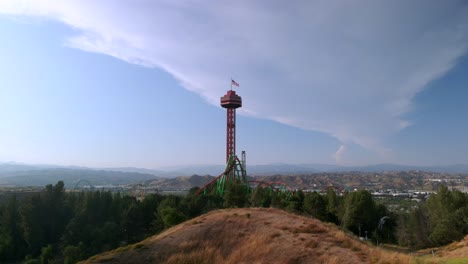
{"x":234,"y":83}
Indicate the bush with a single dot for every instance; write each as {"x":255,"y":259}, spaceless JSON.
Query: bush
{"x":71,"y":255}
{"x":171,"y":216}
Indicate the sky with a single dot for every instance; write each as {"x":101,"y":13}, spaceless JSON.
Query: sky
{"x":137,"y":83}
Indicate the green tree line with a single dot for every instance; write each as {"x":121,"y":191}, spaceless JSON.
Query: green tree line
{"x":356,"y":211}
{"x":441,"y":219}
{"x":55,"y":226}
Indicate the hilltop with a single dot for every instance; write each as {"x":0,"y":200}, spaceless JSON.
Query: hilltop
{"x":251,"y":235}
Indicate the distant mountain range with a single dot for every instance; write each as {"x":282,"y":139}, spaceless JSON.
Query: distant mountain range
{"x":293,"y":169}
{"x":12,"y":174}
{"x":17,"y":174}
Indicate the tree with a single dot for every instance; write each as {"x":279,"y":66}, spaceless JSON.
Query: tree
{"x":386,"y":227}
{"x":12,"y":244}
{"x":296,"y":201}
{"x":71,"y":254}
{"x":194,"y":204}
{"x":236,"y":194}
{"x":418,"y":227}
{"x":33,"y":216}
{"x":315,"y":205}
{"x":56,"y":212}
{"x":47,"y":254}
{"x":171,"y":216}
{"x":444,"y":233}
{"x":439,"y":205}
{"x":334,"y":206}
{"x":132,"y":223}
{"x":261,"y":197}
{"x":149,"y":206}
{"x":360,"y":213}
{"x":402,"y":232}
{"x":445,"y":215}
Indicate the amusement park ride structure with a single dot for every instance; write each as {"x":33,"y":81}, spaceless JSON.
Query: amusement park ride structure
{"x":235,"y":171}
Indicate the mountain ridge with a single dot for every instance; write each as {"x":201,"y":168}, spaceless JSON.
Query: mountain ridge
{"x":16,"y":174}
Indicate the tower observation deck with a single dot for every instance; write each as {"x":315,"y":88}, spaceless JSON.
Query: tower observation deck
{"x":231,"y":101}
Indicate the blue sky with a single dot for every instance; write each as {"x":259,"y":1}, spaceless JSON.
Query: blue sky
{"x":138,"y":83}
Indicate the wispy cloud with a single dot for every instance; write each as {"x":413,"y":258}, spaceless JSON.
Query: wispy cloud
{"x":346,"y":68}
{"x":338,"y":156}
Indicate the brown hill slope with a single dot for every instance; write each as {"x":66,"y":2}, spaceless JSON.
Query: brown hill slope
{"x":181,"y":182}
{"x":251,"y":235}
{"x":453,"y":253}
{"x":455,"y":249}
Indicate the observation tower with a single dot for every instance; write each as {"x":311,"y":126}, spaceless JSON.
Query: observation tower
{"x":235,"y":169}
{"x":231,"y":101}
{"x":235,"y":172}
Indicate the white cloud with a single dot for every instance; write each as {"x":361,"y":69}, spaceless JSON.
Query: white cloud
{"x":346,"y":68}
{"x":338,"y":156}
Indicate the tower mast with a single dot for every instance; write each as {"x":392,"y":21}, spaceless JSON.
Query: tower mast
{"x":231,"y":101}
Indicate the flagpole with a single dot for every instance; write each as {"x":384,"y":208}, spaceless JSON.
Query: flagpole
{"x":231,"y":83}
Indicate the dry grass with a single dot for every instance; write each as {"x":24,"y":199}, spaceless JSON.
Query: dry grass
{"x":255,"y":235}
{"x":274,"y":235}
{"x":312,"y":244}
{"x":454,"y":253}
{"x":456,"y":249}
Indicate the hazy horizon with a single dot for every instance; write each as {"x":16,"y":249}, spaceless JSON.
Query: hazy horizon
{"x":188,"y":166}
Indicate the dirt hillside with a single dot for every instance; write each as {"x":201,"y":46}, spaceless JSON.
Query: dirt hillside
{"x":251,"y":235}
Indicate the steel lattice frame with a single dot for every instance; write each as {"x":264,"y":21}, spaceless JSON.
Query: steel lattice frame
{"x":231,"y":133}
{"x":235,"y":169}
{"x":234,"y":172}
{"x":276,"y":186}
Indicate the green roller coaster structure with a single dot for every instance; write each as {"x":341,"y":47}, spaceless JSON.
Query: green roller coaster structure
{"x":235,"y":172}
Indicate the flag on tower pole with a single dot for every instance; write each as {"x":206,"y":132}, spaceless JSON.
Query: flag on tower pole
{"x":234,"y":83}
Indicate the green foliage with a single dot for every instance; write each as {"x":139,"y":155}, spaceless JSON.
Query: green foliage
{"x":44,"y":217}
{"x":47,"y":253}
{"x":171,"y":216}
{"x":419,"y":228}
{"x":360,"y":213}
{"x":71,"y":254}
{"x":334,"y":206}
{"x":32,"y":261}
{"x":446,"y":215}
{"x":58,"y":226}
{"x":445,"y":233}
{"x":296,"y":202}
{"x":279,"y":200}
{"x":315,"y":205}
{"x":86,"y":223}
{"x":12,"y":243}
{"x":386,"y":230}
{"x":442,"y":219}
{"x":236,"y":195}
{"x":261,"y":197}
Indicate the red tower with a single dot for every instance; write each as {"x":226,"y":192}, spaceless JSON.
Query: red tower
{"x":231,"y":101}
